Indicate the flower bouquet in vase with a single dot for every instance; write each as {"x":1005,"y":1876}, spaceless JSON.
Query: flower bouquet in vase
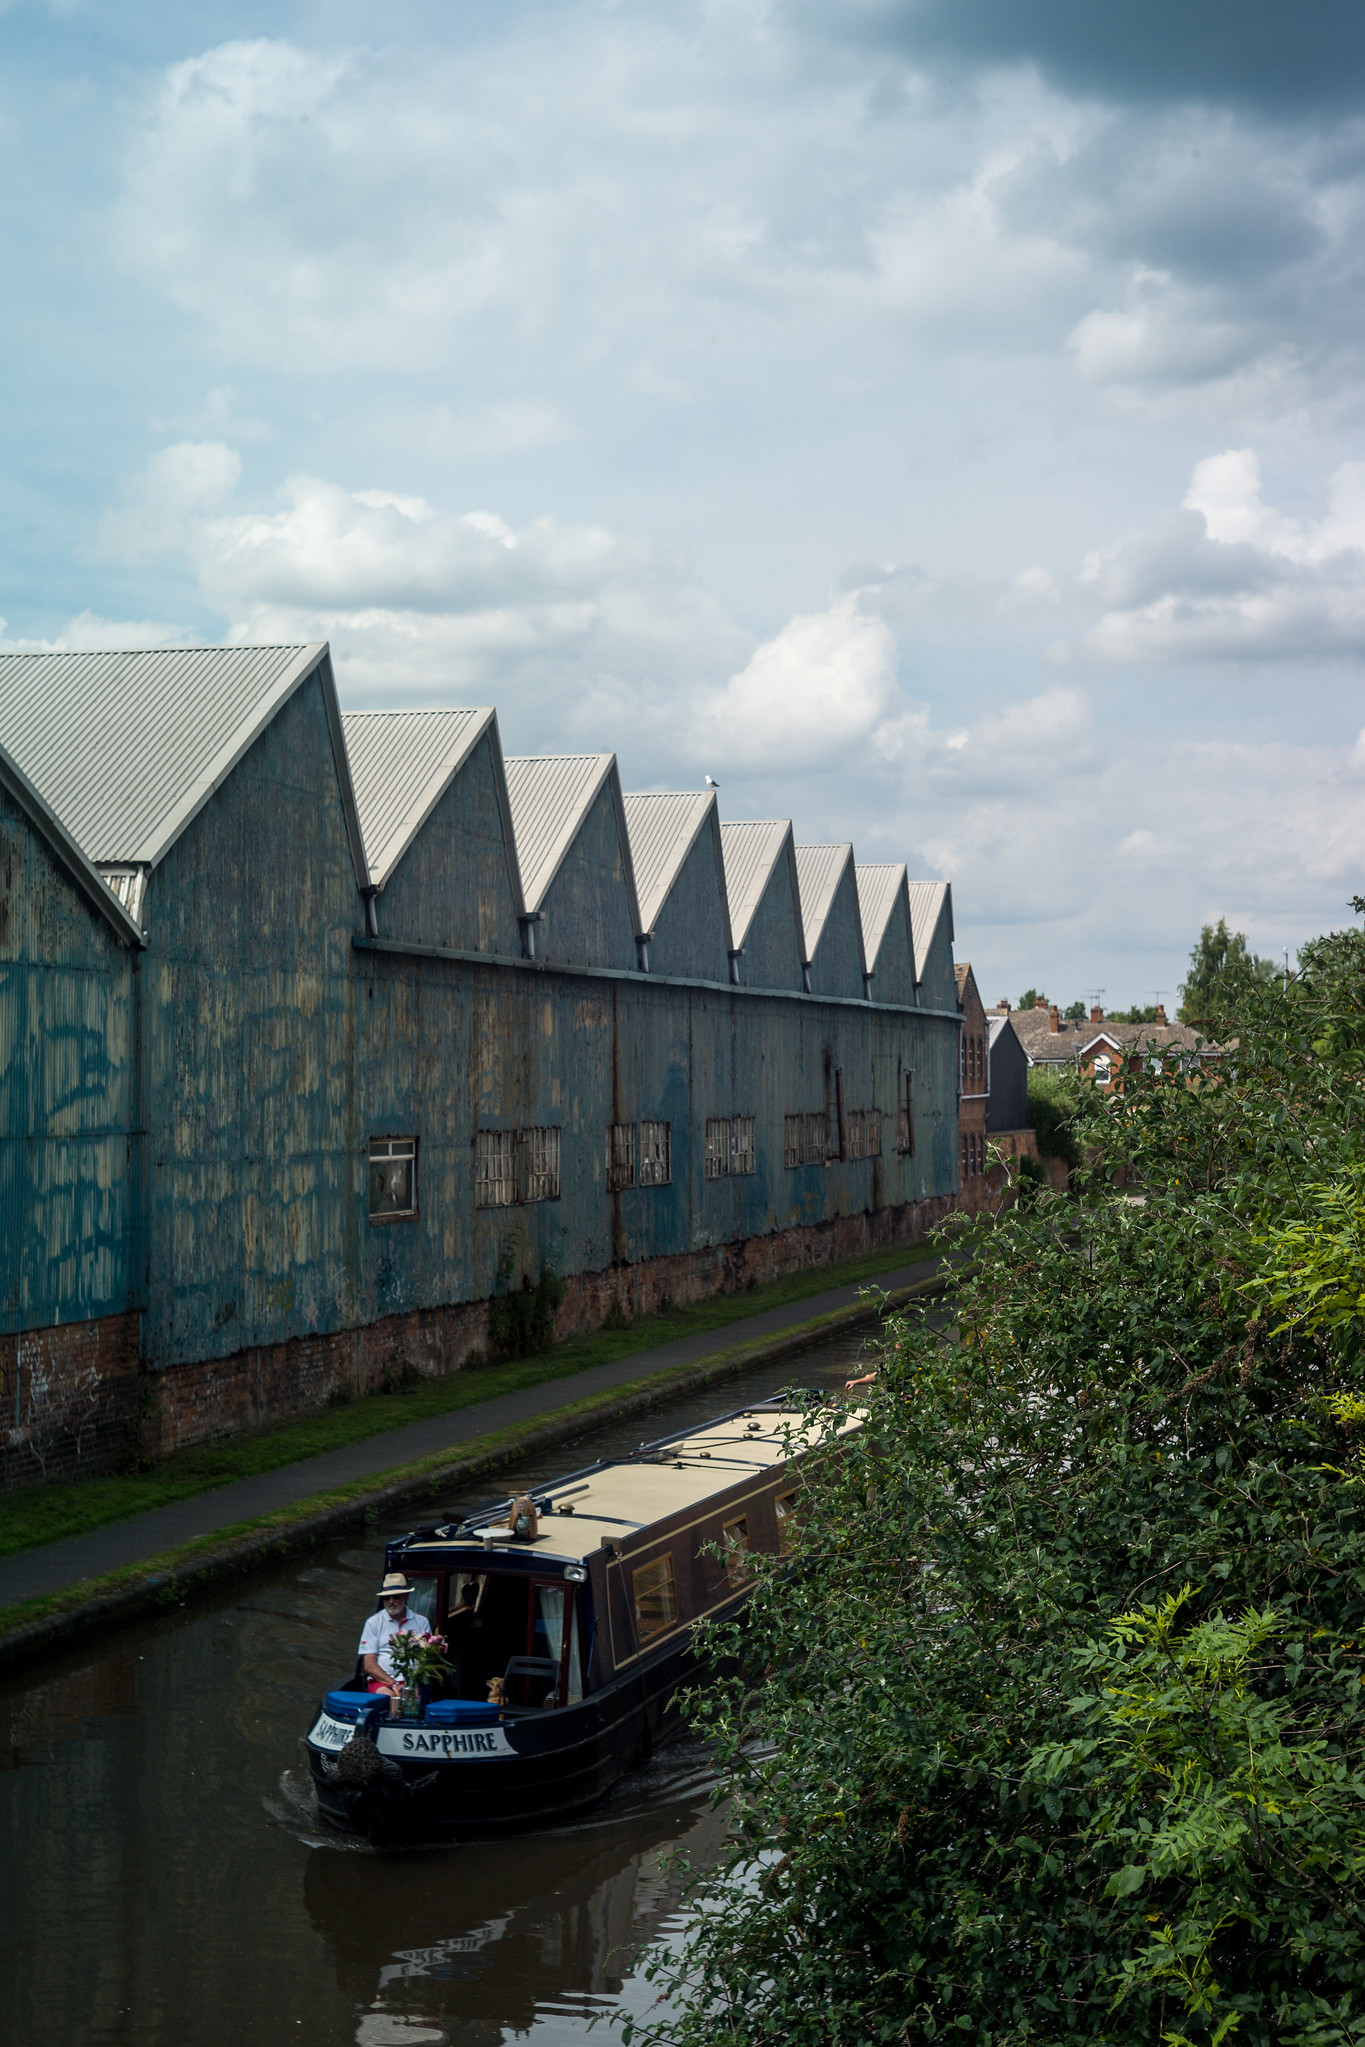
{"x":421,"y":1662}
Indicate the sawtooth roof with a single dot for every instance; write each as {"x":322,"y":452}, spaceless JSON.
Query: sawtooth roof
{"x":879,"y":884}
{"x":750,"y":852}
{"x":551,"y":795}
{"x":927,"y":902}
{"x":819,"y":870}
{"x":663,"y":829}
{"x":128,"y":746}
{"x":402,"y":763}
{"x":82,"y":870}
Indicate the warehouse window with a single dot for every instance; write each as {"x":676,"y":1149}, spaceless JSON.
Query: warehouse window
{"x":494,"y":1156}
{"x":393,"y":1178}
{"x":717,"y":1147}
{"x":743,"y":1145}
{"x":962,"y":1160}
{"x":538,"y":1163}
{"x":620,"y":1155}
{"x":656,"y":1154}
{"x":731,"y":1146}
{"x":793,"y":1131}
{"x":906,"y":1143}
{"x":817,"y":1138}
{"x":656,"y":1597}
{"x":872,"y":1133}
{"x":853,"y":1134}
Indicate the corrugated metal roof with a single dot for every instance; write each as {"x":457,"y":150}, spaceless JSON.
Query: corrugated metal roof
{"x":819,"y":870}
{"x":750,"y":851}
{"x":879,"y":884}
{"x":402,"y":763}
{"x":127,"y":746}
{"x":927,"y":899}
{"x":663,"y":830}
{"x":550,"y":794}
{"x":87,"y":877}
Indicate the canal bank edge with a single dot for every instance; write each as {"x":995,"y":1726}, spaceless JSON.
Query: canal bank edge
{"x":37,"y":1627}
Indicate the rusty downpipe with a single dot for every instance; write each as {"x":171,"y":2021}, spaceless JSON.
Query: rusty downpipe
{"x":372,"y":913}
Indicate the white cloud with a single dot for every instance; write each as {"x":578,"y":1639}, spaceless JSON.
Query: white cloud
{"x":822,"y":684}
{"x":87,"y":633}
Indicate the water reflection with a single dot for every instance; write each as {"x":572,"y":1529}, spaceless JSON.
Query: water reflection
{"x":166,"y":1882}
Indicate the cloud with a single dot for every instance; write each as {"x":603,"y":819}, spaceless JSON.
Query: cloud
{"x":87,"y":633}
{"x":1234,"y":579}
{"x":821,"y":685}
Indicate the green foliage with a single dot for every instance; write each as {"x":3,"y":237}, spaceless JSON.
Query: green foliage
{"x":1053,"y":1729}
{"x":1055,"y":1107}
{"x":521,"y":1319}
{"x":1075,"y":1012}
{"x":1030,"y":1176}
{"x":1031,"y":998}
{"x":1223,"y":973}
{"x":1136,"y":1015}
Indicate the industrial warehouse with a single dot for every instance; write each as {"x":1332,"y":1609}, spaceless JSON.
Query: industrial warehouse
{"x":322,"y":1031}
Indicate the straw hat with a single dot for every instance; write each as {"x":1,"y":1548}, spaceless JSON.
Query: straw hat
{"x":395,"y":1586}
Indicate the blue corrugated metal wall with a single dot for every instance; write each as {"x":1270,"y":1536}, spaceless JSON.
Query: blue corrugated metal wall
{"x":773,"y":948}
{"x":453,"y":885}
{"x":689,"y":932}
{"x":836,"y":968}
{"x":68,"y":1077}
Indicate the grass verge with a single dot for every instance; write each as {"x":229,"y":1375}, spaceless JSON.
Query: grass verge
{"x":76,"y":1506}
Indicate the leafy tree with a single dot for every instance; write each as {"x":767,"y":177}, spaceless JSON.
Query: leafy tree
{"x":1032,"y":999}
{"x":1053,"y":1727}
{"x":1223,"y":971}
{"x":1055,"y":1103}
{"x":1138,"y":1014}
{"x":1075,"y":1012}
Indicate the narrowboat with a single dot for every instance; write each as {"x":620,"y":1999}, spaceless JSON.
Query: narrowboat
{"x":570,"y":1613}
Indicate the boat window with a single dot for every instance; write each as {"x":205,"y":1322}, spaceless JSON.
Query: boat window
{"x":786,"y":1524}
{"x":656,"y":1597}
{"x":422,"y":1598}
{"x":734,"y":1537}
{"x":553,"y":1603}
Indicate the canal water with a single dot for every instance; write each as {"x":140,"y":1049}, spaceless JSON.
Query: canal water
{"x":166,"y":1882}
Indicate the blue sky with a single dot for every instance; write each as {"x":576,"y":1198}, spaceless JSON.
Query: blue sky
{"x":940,"y":422}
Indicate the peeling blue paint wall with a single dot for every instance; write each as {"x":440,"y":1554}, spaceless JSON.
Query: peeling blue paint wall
{"x":68,"y":1089}
{"x":253,"y":1207}
{"x":938,"y":988}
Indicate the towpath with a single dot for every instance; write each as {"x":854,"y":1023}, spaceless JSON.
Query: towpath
{"x":53,"y":1567}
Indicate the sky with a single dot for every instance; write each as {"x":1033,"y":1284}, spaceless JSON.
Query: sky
{"x":940,"y":421}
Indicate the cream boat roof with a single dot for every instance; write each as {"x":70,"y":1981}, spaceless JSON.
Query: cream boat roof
{"x":621,"y":1500}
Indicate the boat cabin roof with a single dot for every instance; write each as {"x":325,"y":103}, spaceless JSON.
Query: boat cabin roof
{"x":616,"y":1501}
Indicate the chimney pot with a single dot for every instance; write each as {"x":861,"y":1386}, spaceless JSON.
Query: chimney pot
{"x":1054,"y":1022}
{"x":1161,"y":1012}
{"x":1096,"y":1013}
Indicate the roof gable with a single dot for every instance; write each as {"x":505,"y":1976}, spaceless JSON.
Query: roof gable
{"x":879,"y":884}
{"x":402,"y":763}
{"x":663,"y":830}
{"x":928,"y":900}
{"x":819,"y":871}
{"x":68,"y":854}
{"x":128,"y":746}
{"x":750,"y":851}
{"x":550,"y":797}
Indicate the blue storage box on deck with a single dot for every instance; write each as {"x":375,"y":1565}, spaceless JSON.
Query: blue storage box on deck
{"x":353,"y":1705}
{"x":461,"y":1713}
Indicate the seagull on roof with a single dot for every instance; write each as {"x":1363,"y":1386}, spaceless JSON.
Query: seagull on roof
{"x":711,"y":783}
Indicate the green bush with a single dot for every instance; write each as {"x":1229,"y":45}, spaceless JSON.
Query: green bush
{"x":1056,"y":1105}
{"x":1053,"y":1728}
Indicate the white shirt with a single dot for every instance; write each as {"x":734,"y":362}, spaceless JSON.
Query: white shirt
{"x":379,"y":1630}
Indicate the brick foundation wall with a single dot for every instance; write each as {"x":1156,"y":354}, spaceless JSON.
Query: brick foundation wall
{"x":68,"y":1400}
{"x":256,"y":1388}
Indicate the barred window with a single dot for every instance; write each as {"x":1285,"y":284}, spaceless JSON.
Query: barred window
{"x":907,"y":1119}
{"x":793,"y":1129}
{"x":743,"y":1145}
{"x":620,"y":1155}
{"x":393,"y":1177}
{"x":817,"y":1138}
{"x":872,"y":1133}
{"x":538,"y":1163}
{"x":963,"y":1168}
{"x":656,"y":1155}
{"x":853,"y":1134}
{"x":717,"y":1147}
{"x":494,"y":1162}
